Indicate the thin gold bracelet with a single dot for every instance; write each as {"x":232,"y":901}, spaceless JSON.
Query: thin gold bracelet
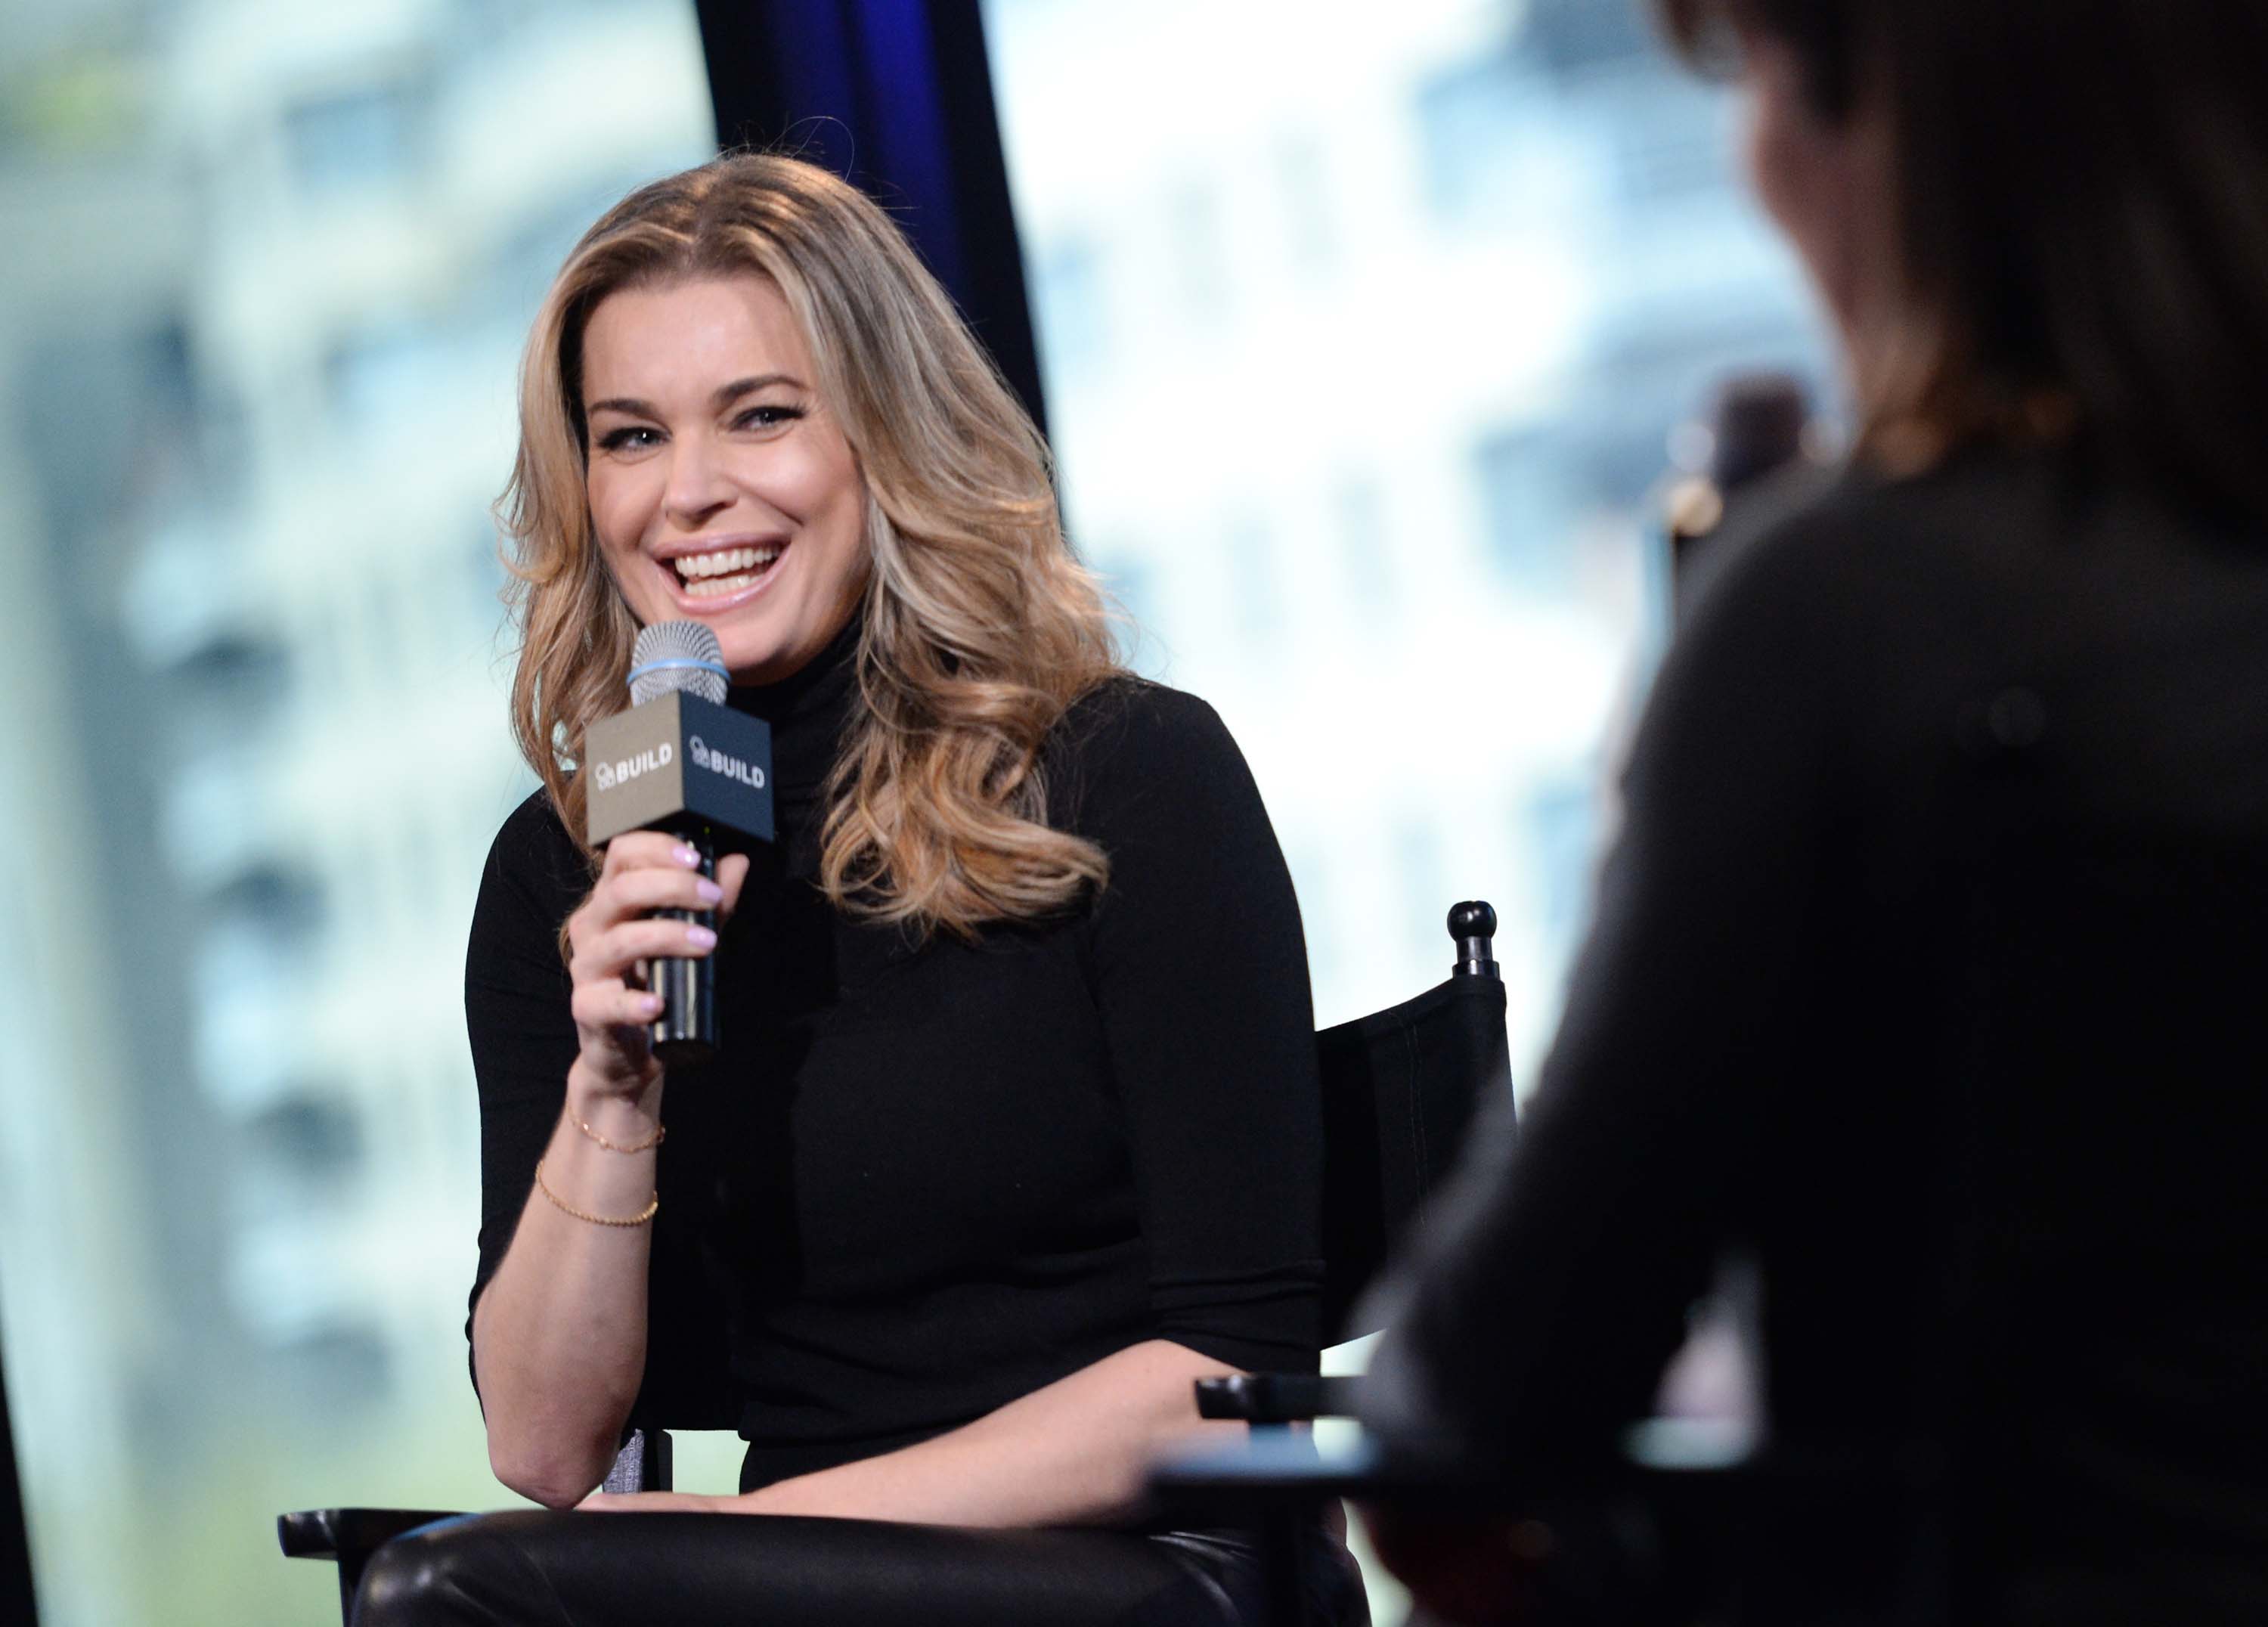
{"x":647,"y":1145}
{"x":564,"y":1207}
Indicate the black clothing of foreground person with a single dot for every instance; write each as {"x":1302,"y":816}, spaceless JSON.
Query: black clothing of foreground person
{"x":1928,"y":964}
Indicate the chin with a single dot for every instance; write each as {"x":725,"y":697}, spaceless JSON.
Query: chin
{"x":756,"y":657}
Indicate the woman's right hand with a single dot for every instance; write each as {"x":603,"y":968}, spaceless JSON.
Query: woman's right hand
{"x":614,"y":930}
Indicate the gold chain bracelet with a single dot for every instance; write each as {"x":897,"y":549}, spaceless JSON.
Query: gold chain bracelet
{"x":647,"y":1145}
{"x":564,"y":1207}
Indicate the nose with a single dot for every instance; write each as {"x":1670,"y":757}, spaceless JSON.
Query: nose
{"x":698,"y":488}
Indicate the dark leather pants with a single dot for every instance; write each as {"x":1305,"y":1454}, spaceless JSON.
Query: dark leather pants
{"x":537,"y":1568}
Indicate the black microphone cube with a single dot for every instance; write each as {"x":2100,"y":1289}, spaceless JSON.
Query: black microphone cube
{"x":678,"y":762}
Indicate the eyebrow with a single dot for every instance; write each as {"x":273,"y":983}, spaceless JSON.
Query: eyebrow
{"x":723,"y":396}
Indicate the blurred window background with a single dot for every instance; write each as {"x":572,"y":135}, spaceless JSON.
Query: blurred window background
{"x":1365,"y":332}
{"x":270,"y":265}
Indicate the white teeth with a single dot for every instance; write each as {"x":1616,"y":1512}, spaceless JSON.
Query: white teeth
{"x":725,"y":562}
{"x":710,"y":586}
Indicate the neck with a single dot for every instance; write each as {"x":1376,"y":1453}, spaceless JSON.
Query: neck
{"x":807,"y":712}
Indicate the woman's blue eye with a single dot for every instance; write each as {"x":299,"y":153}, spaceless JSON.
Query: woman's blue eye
{"x":631,"y":437}
{"x":768,"y":417}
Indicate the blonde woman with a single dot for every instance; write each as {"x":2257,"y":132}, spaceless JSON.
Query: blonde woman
{"x":1016,"y":1133}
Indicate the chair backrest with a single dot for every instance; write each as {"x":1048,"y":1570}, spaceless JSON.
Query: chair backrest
{"x":1400,"y":1087}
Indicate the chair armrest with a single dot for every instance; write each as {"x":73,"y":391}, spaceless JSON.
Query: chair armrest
{"x":330,"y":1533}
{"x":1661,"y":1452}
{"x":350,"y":1535}
{"x":1626,"y":1538}
{"x":1277,"y":1398}
{"x":1275,"y":1470}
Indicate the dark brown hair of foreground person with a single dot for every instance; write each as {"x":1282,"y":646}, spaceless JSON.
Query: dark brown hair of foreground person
{"x":2083,"y":219}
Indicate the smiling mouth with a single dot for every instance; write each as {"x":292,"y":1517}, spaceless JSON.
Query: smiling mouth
{"x":727,"y":570}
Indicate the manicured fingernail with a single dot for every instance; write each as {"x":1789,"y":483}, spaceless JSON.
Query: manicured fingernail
{"x":690,"y":857}
{"x":650,"y":1004}
{"x":700,"y":937}
{"x":708,"y":892}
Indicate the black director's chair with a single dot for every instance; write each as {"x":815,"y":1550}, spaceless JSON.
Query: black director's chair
{"x":1400,"y":1087}
{"x":1400,"y":1090}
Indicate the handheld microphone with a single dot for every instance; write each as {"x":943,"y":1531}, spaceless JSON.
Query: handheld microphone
{"x":680,"y":761}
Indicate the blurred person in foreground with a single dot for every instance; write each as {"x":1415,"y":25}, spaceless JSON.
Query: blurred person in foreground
{"x":1016,"y":1127}
{"x":1928,"y":964}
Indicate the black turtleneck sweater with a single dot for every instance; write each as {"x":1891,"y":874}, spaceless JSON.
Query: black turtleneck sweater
{"x":922,"y":1180}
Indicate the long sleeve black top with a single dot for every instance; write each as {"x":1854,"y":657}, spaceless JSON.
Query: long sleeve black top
{"x":924,"y":1178}
{"x":1927,"y":966}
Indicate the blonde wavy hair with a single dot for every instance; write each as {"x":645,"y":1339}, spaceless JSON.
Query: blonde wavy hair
{"x":980,"y":628}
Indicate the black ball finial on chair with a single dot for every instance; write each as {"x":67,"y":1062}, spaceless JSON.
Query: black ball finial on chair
{"x":1473,"y":925}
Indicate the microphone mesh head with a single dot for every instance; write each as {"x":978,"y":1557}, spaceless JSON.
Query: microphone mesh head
{"x":678,"y":655}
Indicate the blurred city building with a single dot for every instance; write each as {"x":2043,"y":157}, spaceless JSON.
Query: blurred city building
{"x":1371,"y":336}
{"x":1365,"y":332}
{"x":272,"y":267}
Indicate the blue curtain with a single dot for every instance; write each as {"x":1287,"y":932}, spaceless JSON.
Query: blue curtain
{"x":895,"y":95}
